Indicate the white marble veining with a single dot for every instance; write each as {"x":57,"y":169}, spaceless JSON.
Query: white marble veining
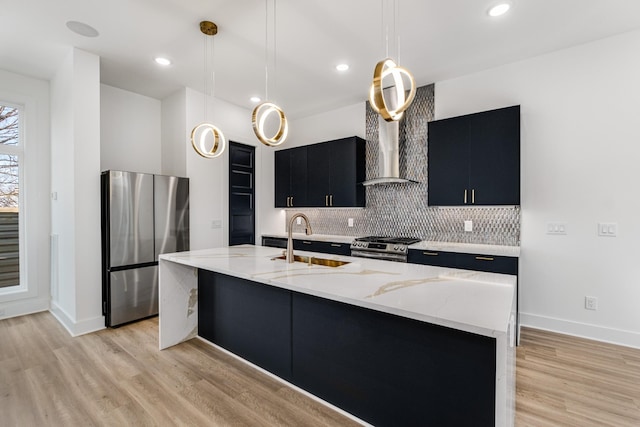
{"x":476,"y":302}
{"x":425,"y":245}
{"x":467,"y":300}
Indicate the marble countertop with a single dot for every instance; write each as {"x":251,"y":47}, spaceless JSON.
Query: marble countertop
{"x":472,"y":301}
{"x":425,"y":245}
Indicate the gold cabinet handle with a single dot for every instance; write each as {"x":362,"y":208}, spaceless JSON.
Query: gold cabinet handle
{"x":430,"y":253}
{"x":326,"y":200}
{"x":306,"y":243}
{"x":473,"y":196}
{"x":335,"y":245}
{"x":465,"y":196}
{"x":288,"y":201}
{"x":331,"y":200}
{"x":484,"y":258}
{"x":291,"y":201}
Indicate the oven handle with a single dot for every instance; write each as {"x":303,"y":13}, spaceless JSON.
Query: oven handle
{"x":379,"y":255}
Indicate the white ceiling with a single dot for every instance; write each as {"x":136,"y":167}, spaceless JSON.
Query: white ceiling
{"x":439,"y":39}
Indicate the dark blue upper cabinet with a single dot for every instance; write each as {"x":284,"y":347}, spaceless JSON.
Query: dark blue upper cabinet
{"x":475,"y":159}
{"x":329,"y":174}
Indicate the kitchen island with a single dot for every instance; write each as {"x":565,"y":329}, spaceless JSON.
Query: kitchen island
{"x":388,"y":342}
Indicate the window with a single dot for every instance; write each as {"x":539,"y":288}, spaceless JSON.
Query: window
{"x":10,"y":154}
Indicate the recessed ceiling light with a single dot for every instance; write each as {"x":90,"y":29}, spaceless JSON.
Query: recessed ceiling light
{"x":82,"y":29}
{"x":255,"y":99}
{"x":499,"y":9}
{"x":342,"y":67}
{"x":162,"y":61}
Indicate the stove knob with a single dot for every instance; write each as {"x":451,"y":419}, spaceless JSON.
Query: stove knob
{"x":395,"y":248}
{"x":403,"y":249}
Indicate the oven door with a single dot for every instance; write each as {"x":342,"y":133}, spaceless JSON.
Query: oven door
{"x":379,"y":255}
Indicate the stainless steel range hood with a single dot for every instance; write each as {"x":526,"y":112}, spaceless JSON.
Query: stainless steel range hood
{"x":389,"y":148}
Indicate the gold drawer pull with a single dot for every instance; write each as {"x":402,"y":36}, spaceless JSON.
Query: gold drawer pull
{"x":465,"y":196}
{"x":473,"y":196}
{"x":430,"y":253}
{"x":306,"y":243}
{"x":331,"y":200}
{"x":335,"y":245}
{"x":326,"y":200}
{"x":484,"y":258}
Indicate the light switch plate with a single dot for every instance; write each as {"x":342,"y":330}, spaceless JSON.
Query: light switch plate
{"x":557,"y":228}
{"x":607,"y":229}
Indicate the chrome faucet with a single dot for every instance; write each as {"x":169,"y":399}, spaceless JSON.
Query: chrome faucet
{"x":307,"y":230}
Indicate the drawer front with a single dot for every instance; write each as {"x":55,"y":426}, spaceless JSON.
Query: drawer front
{"x":274,"y":242}
{"x":436,"y":258}
{"x":322,"y":247}
{"x":489,"y":263}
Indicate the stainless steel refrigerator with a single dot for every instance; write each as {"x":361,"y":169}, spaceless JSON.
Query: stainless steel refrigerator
{"x":143,"y":216}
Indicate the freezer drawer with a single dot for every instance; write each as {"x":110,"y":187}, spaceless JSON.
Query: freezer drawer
{"x":133,"y":294}
{"x":131,"y":238}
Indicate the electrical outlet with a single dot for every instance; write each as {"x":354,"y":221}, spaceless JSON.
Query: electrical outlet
{"x":350,"y":222}
{"x":468,"y":225}
{"x":591,"y":303}
{"x":557,"y":228}
{"x":299,"y":220}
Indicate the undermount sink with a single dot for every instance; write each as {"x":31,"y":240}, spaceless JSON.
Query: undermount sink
{"x":314,"y":261}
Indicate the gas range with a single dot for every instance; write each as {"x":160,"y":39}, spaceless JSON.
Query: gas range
{"x":381,"y":247}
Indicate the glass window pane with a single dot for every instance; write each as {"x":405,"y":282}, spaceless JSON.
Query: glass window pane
{"x":8,"y":125}
{"x":9,"y":223}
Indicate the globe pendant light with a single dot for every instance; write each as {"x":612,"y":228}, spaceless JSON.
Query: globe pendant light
{"x":400,"y":101}
{"x":267,"y":108}
{"x":207,"y":139}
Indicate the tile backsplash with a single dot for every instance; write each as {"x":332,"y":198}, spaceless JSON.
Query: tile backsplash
{"x":401,"y":209}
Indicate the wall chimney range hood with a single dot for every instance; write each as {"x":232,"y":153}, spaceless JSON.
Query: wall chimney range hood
{"x":389,"y":148}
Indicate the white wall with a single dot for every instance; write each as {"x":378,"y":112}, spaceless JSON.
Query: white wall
{"x":129,"y":131}
{"x":334,"y":124}
{"x":33,"y":96}
{"x":75,"y":178}
{"x":174,"y":117}
{"x":209,"y":178}
{"x":580,"y":152}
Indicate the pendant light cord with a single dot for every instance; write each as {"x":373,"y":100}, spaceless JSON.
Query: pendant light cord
{"x":266,"y":50}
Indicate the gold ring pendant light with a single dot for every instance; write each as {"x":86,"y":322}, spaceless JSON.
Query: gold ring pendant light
{"x":205,"y":134}
{"x":388,"y":67}
{"x":265,"y":109}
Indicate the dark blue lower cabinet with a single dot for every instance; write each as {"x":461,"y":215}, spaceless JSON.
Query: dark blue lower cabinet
{"x":249,"y":319}
{"x":385,"y":369}
{"x":392,"y":371}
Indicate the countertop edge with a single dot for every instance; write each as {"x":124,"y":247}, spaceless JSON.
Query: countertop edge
{"x":458,"y":325}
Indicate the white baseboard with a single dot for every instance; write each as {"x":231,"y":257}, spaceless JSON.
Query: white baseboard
{"x":23,"y":307}
{"x":76,"y":328}
{"x":582,"y":330}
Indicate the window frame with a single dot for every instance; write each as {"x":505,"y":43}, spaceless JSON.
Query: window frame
{"x":19,"y":151}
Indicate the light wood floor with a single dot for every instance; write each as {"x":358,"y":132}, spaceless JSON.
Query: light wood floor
{"x":568,"y":381}
{"x":118,"y":377}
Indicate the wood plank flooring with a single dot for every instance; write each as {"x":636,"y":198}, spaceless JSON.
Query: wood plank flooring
{"x":568,"y":381}
{"x":119,"y":377}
